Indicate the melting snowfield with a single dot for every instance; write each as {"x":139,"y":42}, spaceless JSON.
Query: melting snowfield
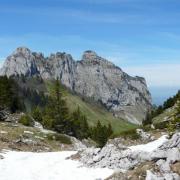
{"x":47,"y":166}
{"x":55,"y":166}
{"x":149,"y":147}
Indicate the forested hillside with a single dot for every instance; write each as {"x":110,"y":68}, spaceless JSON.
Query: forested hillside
{"x":56,"y":108}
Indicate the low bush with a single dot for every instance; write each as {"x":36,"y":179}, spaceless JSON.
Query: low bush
{"x":146,"y":128}
{"x":173,"y":125}
{"x":60,"y":137}
{"x":132,"y":134}
{"x":161,"y":125}
{"x":26,"y":120}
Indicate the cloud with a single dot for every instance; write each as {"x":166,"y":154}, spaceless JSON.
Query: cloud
{"x":157,"y":75}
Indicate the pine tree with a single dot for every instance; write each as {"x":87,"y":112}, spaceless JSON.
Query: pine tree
{"x":80,"y":128}
{"x":101,"y":133}
{"x":56,"y":111}
{"x":9,"y":95}
{"x":37,"y":114}
{"x":178,"y":108}
{"x":109,"y":130}
{"x":148,"y":119}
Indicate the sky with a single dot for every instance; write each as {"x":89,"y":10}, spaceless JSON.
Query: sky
{"x":140,"y":36}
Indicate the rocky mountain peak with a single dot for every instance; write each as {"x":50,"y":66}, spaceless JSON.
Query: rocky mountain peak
{"x":93,"y":59}
{"x":22,"y":51}
{"x":60,"y":56}
{"x":38,"y":55}
{"x":93,"y":77}
{"x":89,"y":55}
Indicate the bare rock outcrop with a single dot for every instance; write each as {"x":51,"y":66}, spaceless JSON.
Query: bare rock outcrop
{"x":114,"y":156}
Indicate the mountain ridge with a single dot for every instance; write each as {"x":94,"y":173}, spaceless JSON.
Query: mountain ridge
{"x":93,"y":77}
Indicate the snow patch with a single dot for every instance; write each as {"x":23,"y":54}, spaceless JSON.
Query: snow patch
{"x":47,"y":166}
{"x":149,"y":147}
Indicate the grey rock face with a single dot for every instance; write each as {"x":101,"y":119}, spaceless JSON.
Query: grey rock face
{"x":110,"y":157}
{"x":20,"y":62}
{"x":93,"y":77}
{"x":116,"y":154}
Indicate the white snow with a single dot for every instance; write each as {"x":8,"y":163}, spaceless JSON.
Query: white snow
{"x":47,"y":166}
{"x":55,"y":166}
{"x":149,"y":147}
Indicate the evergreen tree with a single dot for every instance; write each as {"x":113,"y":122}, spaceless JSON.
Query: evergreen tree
{"x":148,"y":119}
{"x":9,"y":95}
{"x":109,"y":130}
{"x":101,"y":133}
{"x":37,"y":114}
{"x":80,"y":128}
{"x":178,"y":108}
{"x":57,"y":112}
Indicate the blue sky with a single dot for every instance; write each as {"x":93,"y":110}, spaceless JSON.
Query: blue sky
{"x":140,"y":36}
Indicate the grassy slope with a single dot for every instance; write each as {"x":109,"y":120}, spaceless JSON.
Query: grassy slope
{"x":14,"y":133}
{"x":94,"y":112}
{"x":168,"y":113}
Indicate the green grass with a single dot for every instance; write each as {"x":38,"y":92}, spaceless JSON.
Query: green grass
{"x":13,"y":133}
{"x":162,"y":117}
{"x":59,"y":137}
{"x":94,"y":112}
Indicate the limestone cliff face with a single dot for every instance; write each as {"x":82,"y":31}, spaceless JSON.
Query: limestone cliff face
{"x":93,"y":76}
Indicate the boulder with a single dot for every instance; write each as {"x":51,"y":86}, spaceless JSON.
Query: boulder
{"x":163,"y":166}
{"x":166,"y":176}
{"x":173,"y":155}
{"x":144,"y":135}
{"x":3,"y":114}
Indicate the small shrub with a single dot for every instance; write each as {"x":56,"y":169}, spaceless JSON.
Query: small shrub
{"x":146,"y":128}
{"x":173,"y":125}
{"x":161,"y":125}
{"x":60,"y":137}
{"x":132,"y":134}
{"x":37,"y":114}
{"x":47,"y":122}
{"x":26,"y":120}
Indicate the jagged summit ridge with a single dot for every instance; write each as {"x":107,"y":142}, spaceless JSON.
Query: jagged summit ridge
{"x":93,"y":77}
{"x":88,"y":55}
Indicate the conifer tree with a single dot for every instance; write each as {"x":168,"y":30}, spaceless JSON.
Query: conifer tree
{"x":148,"y":119}
{"x":37,"y":114}
{"x":80,"y":126}
{"x":57,"y":112}
{"x":109,"y":130}
{"x":178,"y":108}
{"x":101,"y":133}
{"x":9,"y":95}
